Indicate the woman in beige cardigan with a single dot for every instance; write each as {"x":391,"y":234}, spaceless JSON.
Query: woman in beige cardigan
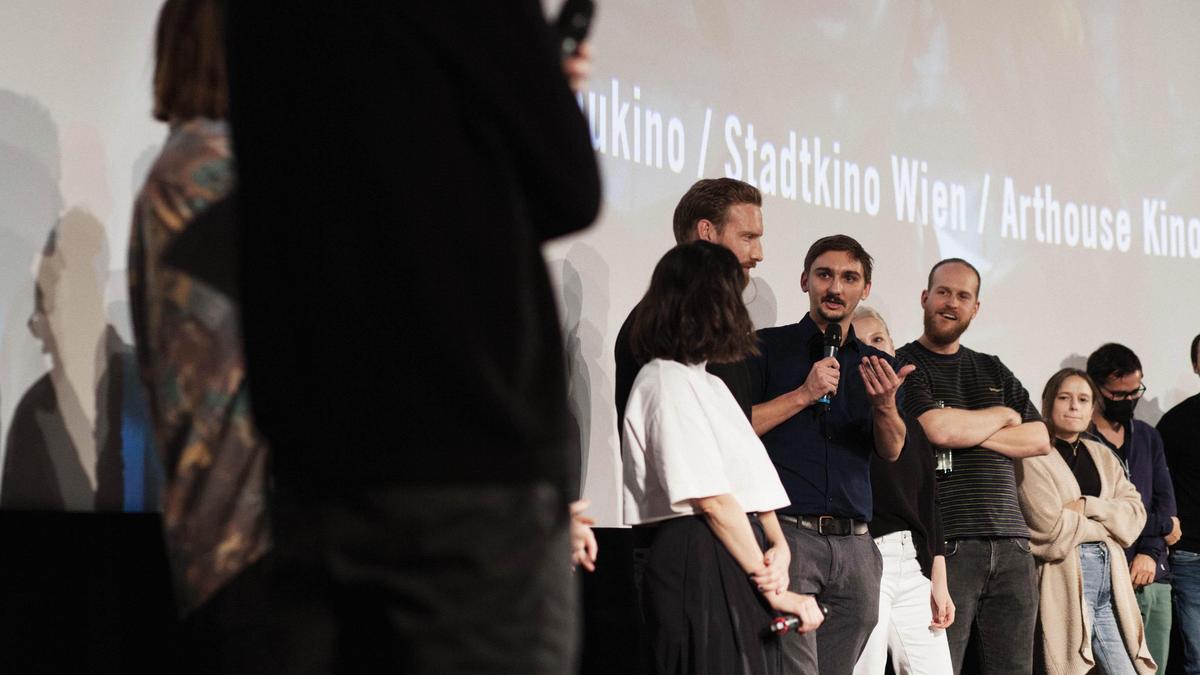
{"x":1082,"y":511}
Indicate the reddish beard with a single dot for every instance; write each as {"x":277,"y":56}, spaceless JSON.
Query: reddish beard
{"x":946,"y":336}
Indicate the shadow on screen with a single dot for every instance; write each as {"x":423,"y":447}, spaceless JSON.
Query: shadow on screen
{"x":585,"y":283}
{"x":79,"y":438}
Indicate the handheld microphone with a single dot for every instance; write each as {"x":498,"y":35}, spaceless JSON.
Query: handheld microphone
{"x":790,"y":622}
{"x":785,"y":624}
{"x":833,"y":342}
{"x":574,"y":21}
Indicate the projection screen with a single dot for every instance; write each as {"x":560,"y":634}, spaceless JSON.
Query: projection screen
{"x":1053,"y":144}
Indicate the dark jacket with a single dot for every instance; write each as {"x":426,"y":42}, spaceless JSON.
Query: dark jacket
{"x":1146,"y":465}
{"x":400,"y":166}
{"x":1180,"y":430}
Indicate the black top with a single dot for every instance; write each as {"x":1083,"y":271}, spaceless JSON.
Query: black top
{"x":905,"y":494}
{"x":823,"y":459}
{"x":1081,"y":465}
{"x":1122,"y":450}
{"x":400,"y":167}
{"x":979,"y":496}
{"x":1180,"y":431}
{"x":735,"y":375}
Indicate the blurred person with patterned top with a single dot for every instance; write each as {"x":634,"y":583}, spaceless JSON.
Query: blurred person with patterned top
{"x":189,"y":351}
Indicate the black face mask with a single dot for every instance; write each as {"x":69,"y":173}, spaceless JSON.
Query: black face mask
{"x":1119,"y":411}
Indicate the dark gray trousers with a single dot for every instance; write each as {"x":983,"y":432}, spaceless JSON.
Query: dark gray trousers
{"x":993,"y":583}
{"x":843,"y":572}
{"x":417,"y":579}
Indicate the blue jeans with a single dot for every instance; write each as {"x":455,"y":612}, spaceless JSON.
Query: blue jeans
{"x":1107,"y":646}
{"x":1185,"y":595}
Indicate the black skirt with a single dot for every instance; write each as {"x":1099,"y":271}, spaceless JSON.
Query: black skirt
{"x":703,"y":614}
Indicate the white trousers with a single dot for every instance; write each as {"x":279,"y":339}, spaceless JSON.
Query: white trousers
{"x":904,"y":617}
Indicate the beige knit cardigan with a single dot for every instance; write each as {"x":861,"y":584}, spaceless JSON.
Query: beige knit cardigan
{"x":1116,"y":518}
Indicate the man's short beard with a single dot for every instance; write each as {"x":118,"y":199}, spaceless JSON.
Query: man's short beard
{"x":829,"y":319}
{"x":946,"y":338}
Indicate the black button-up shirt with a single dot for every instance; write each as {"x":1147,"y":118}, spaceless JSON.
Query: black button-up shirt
{"x":823,"y":458}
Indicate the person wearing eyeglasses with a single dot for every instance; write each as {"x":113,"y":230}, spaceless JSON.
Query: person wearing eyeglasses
{"x":1117,"y":371}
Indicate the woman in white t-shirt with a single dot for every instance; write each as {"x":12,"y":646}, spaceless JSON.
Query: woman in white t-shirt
{"x":696,"y":472}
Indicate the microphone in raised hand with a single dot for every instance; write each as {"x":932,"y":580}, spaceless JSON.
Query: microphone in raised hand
{"x":832,"y":343}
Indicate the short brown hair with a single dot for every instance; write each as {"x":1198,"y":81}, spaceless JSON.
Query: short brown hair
{"x":709,"y":199}
{"x":840,"y":242}
{"x":1051,"y":391}
{"x":693,"y":310}
{"x":956,"y":261}
{"x":189,"y":70}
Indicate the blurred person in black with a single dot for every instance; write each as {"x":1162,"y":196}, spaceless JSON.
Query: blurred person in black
{"x":1180,"y":431}
{"x":400,"y":165}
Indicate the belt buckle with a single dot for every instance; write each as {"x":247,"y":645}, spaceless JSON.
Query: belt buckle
{"x":821,"y":520}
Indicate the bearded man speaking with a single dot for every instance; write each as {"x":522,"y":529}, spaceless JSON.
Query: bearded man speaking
{"x":980,"y":419}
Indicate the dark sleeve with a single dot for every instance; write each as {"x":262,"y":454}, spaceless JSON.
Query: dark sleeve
{"x":627,"y":370}
{"x":135,"y":269}
{"x":756,"y":368}
{"x":1162,"y":499}
{"x":1171,"y":429}
{"x":917,"y":441}
{"x":508,"y":54}
{"x":916,"y":445}
{"x":916,"y":396}
{"x":1016,"y":397}
{"x":937,"y":536}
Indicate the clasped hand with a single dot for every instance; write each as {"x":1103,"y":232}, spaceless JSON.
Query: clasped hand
{"x":772,"y":582}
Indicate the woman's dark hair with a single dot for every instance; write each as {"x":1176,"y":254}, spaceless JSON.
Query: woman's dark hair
{"x":1050,"y":392}
{"x":189,"y":67}
{"x":693,"y":310}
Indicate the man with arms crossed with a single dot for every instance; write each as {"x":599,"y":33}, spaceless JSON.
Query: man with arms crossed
{"x":823,"y":451}
{"x":979,"y":419}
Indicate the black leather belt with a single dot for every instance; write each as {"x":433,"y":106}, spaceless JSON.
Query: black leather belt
{"x":827,"y":525}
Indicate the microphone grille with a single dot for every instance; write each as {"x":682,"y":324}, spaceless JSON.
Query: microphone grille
{"x":833,"y":334}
